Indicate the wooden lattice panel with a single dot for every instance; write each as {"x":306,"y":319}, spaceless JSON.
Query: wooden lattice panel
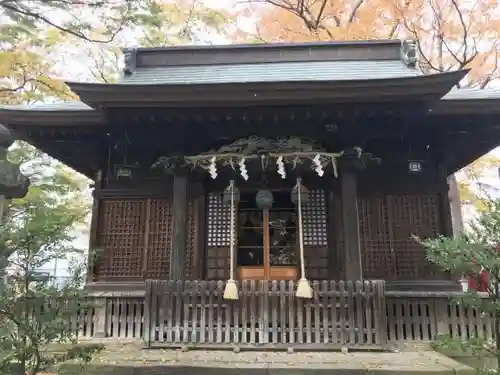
{"x":159,"y":239}
{"x":316,"y":235}
{"x":121,"y":234}
{"x":413,"y":215}
{"x":336,"y":216}
{"x":217,"y":263}
{"x":314,"y":219}
{"x":218,"y":222}
{"x":375,"y":240}
{"x":316,"y":262}
{"x":191,"y":238}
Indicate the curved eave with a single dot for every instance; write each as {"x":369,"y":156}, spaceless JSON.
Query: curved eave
{"x":40,"y":117}
{"x":467,"y":106}
{"x":429,"y":87}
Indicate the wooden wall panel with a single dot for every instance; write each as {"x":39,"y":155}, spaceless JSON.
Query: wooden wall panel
{"x":387,"y":224}
{"x":414,"y":215}
{"x":159,"y":234}
{"x":375,"y":238}
{"x":190,"y":272}
{"x":135,"y":234}
{"x":122,"y":225}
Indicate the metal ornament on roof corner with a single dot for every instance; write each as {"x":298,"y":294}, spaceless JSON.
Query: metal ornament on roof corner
{"x":13,"y":184}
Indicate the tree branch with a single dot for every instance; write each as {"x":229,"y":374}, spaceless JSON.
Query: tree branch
{"x":21,"y":10}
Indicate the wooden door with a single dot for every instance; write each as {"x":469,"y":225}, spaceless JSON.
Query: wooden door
{"x":267,"y":239}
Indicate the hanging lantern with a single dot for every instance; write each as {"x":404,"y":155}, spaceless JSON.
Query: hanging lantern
{"x":226,"y":195}
{"x":304,"y":194}
{"x":264,"y":199}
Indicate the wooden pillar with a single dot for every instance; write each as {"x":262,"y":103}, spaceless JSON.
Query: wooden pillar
{"x":457,"y":221}
{"x":333,"y":267}
{"x":100,"y":318}
{"x":93,"y":257}
{"x":178,"y":249}
{"x":446,"y":220}
{"x":350,"y":224}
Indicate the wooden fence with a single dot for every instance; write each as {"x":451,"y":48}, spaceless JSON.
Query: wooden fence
{"x":121,"y":317}
{"x":193,"y":313}
{"x":418,"y":316}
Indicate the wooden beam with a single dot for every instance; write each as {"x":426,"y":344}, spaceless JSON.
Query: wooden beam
{"x":178,"y":249}
{"x":350,"y":224}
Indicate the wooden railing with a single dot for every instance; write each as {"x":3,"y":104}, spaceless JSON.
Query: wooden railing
{"x":423,"y":316}
{"x":98,"y":317}
{"x":352,"y":314}
{"x":193,"y":313}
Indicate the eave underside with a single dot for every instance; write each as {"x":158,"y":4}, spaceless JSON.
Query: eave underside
{"x":156,"y":132}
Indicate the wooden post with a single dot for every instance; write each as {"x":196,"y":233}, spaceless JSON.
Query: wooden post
{"x":457,"y":222}
{"x":100,"y":322}
{"x":333,"y":266}
{"x":350,"y":224}
{"x":266,"y":250}
{"x":446,"y":220}
{"x":178,"y":250}
{"x":94,"y":225}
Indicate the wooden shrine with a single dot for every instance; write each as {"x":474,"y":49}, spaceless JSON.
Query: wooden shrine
{"x":371,"y":140}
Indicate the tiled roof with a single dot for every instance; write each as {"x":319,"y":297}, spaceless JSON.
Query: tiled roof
{"x":471,"y":94}
{"x":271,"y":72}
{"x":61,"y":106}
{"x":455,"y":94}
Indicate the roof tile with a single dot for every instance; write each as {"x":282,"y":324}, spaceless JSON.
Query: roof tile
{"x":271,"y":72}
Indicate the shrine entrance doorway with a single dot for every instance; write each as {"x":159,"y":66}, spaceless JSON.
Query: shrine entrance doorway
{"x":266,"y":241}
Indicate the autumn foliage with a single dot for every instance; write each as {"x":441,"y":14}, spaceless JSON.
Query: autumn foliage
{"x":450,"y":34}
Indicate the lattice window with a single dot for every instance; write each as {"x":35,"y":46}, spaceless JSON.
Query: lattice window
{"x":122,"y":225}
{"x":159,"y":239}
{"x":191,"y":237}
{"x":414,"y":215}
{"x":218,"y":222}
{"x":315,"y":219}
{"x":375,"y":241}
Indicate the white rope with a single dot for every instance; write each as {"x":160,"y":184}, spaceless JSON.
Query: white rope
{"x":231,"y":248}
{"x":301,"y":239}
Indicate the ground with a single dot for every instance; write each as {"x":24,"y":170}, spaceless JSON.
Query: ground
{"x":131,"y":359}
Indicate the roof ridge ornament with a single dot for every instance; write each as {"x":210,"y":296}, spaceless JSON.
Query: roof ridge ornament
{"x":130,"y":59}
{"x":409,"y":52}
